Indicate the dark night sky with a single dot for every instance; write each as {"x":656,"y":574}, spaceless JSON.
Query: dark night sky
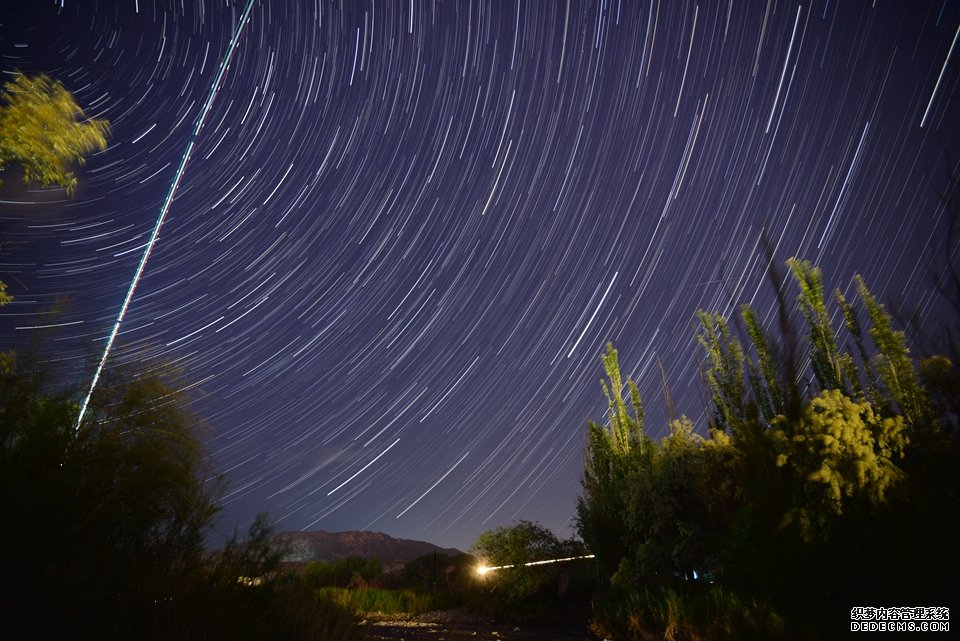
{"x":409,"y":228}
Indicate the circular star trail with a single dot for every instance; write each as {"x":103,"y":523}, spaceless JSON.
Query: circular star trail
{"x":408,"y":229}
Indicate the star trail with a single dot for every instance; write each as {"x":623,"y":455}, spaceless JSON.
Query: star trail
{"x":163,"y":214}
{"x":408,"y":229}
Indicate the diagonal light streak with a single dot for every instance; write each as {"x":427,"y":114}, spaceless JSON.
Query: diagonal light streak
{"x":214,"y":89}
{"x":936,"y":87}
{"x":430,"y":489}
{"x":357,"y":473}
{"x":482,"y":570}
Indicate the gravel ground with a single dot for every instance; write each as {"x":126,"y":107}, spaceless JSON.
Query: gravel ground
{"x":457,"y":625}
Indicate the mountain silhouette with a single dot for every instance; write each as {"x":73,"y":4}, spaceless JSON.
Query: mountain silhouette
{"x":330,"y":546}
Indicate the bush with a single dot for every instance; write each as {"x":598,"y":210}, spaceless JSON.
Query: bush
{"x":380,"y":601}
{"x":514,"y":588}
{"x":704,"y":613}
{"x":104,"y":517}
{"x":353,"y":571}
{"x":801,"y":497}
{"x":436,"y":572}
{"x":273,"y":610}
{"x":104,"y":525}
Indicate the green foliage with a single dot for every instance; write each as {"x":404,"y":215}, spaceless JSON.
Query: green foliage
{"x":802,"y":494}
{"x":824,"y":355}
{"x":432,"y":573}
{"x":515,"y":546}
{"x":239,"y":593}
{"x":521,"y":542}
{"x":610,"y":452}
{"x":724,"y":373}
{"x":671,"y":614}
{"x":273,"y":610}
{"x":428,"y":583}
{"x":107,"y":513}
{"x":626,"y":431}
{"x":600,"y":508}
{"x":380,"y":601}
{"x":941,"y":379}
{"x":348,"y":572}
{"x":105,"y":524}
{"x":43,"y":130}
{"x":764,"y":375}
{"x":893,"y":363}
{"x":839,"y":450}
{"x":666,"y":522}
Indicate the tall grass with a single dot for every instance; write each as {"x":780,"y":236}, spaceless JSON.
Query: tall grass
{"x":707,"y":613}
{"x":274,"y":611}
{"x":373,"y":600}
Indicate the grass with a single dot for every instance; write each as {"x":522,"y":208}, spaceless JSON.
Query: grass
{"x":705,"y":614}
{"x":273,"y":611}
{"x":373,"y":600}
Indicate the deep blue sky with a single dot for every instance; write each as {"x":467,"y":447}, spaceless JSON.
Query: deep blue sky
{"x":409,"y":228}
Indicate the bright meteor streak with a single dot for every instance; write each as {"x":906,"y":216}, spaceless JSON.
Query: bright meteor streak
{"x":483,"y":570}
{"x":214,"y":88}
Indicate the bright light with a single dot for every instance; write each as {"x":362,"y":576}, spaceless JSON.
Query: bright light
{"x":214,"y":90}
{"x":483,"y":570}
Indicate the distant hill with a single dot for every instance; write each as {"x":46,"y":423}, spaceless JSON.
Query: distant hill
{"x":330,"y":546}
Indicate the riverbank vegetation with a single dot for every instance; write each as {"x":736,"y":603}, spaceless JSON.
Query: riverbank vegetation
{"x":493,"y":583}
{"x":828,"y":478}
{"x":105,"y":523}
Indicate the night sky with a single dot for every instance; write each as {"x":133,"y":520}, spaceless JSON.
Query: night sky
{"x":408,"y":229}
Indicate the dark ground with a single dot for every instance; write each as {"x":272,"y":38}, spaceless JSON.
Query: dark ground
{"x":454,"y":625}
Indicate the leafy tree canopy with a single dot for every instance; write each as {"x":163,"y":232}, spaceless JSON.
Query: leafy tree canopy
{"x":809,"y":482}
{"x":109,"y":513}
{"x":43,"y":130}
{"x":522,"y":542}
{"x":510,"y":548}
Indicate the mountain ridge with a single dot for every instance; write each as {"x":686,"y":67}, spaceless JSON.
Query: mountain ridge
{"x":320,"y":545}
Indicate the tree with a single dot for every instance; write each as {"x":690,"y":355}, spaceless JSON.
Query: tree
{"x":104,"y":523}
{"x":839,"y":450}
{"x":351,"y":571}
{"x":43,"y":130}
{"x":511,"y":548}
{"x":103,"y":520}
{"x":439,"y":572}
{"x":612,"y":452}
{"x":806,"y":488}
